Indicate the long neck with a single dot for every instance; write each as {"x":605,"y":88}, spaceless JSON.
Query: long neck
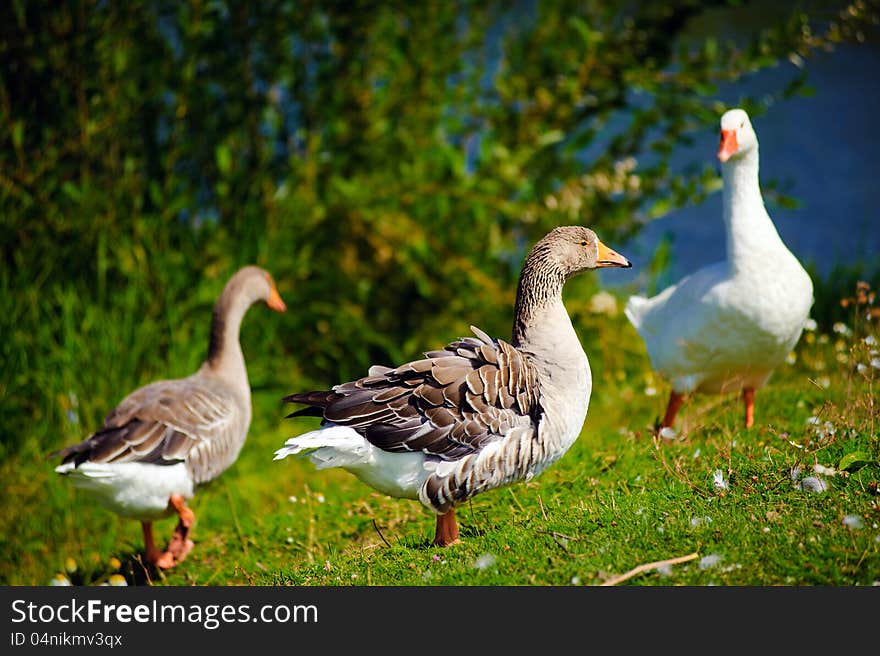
{"x":750,"y":231}
{"x":224,"y":351}
{"x":539,"y":292}
{"x":541,"y":325}
{"x":542,"y":329}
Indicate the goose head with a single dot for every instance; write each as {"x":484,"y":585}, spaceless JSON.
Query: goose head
{"x":252,"y":284}
{"x":737,"y":135}
{"x":573,"y":249}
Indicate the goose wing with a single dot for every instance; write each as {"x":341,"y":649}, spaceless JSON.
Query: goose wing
{"x":194,"y":420}
{"x":451,"y":403}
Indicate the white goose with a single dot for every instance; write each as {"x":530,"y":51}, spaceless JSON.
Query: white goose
{"x":166,"y":438}
{"x":726,"y":327}
{"x":474,"y":416}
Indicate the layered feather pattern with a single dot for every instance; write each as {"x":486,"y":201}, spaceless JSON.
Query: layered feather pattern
{"x":196,"y":419}
{"x":450,"y":404}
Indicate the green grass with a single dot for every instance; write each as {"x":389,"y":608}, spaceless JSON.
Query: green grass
{"x":619,"y":498}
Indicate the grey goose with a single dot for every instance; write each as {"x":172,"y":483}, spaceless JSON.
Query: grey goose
{"x":476,"y":415}
{"x":165,"y":439}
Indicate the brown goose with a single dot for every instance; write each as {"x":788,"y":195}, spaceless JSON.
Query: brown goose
{"x":166,"y":438}
{"x":476,"y":415}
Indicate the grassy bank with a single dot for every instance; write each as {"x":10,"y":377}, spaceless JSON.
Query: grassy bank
{"x":740,"y":504}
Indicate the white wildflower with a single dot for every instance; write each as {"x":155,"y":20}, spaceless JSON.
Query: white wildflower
{"x":719,"y":481}
{"x":709,"y":561}
{"x":875,"y":362}
{"x":292,"y":499}
{"x":664,"y":570}
{"x":320,"y":498}
{"x":696,"y":521}
{"x":853,"y":522}
{"x":870,"y":340}
{"x":60,"y":579}
{"x":603,"y":303}
{"x":862,"y":368}
{"x":650,"y":391}
{"x":813,"y":484}
{"x":841,"y":329}
{"x":484,"y":562}
{"x":791,"y":358}
{"x":810,"y":325}
{"x":117,"y":580}
{"x":575,"y":580}
{"x":668,"y":433}
{"x":812,"y":420}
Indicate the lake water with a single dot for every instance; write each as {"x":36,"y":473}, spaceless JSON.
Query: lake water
{"x":822,"y":150}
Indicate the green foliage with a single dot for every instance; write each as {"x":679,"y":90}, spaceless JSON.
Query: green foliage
{"x":833,"y":293}
{"x":389,"y":164}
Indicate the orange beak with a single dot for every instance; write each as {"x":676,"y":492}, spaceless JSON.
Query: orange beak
{"x":275,"y":301}
{"x":728,"y":145}
{"x":609,"y":258}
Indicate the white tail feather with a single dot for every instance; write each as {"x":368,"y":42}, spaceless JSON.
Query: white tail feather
{"x":634,"y":310}
{"x":329,"y":446}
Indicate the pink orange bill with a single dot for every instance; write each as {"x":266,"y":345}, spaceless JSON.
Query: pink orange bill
{"x":275,"y":301}
{"x":609,"y":258}
{"x":728,"y":145}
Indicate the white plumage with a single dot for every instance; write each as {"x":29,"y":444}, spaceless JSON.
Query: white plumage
{"x":726,"y":327}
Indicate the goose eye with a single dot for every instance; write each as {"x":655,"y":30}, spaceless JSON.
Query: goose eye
{"x":584,"y":243}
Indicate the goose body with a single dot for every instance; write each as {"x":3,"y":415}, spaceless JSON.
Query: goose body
{"x":165,"y":439}
{"x":479,"y":413}
{"x":726,"y":327}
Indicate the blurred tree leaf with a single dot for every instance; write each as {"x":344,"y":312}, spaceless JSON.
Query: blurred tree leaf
{"x":388,"y":162}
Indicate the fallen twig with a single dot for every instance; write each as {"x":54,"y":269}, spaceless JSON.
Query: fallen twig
{"x":541,"y":503}
{"x":677,"y":474}
{"x":376,"y":526}
{"x":649,"y":566}
{"x":556,"y":534}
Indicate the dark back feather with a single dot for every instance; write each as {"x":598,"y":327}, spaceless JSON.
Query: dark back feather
{"x":449,"y":404}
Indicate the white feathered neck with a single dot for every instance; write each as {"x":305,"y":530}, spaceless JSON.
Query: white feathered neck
{"x":751,"y":235}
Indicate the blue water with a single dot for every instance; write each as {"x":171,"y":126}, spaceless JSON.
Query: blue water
{"x":821,"y":149}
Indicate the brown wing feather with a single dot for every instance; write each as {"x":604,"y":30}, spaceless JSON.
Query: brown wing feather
{"x":194,"y":420}
{"x":449,"y":404}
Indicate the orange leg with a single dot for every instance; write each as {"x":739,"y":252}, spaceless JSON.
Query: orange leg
{"x":447,"y":529}
{"x":180,"y":544}
{"x":675,"y":401}
{"x":151,"y":552}
{"x":749,"y":401}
